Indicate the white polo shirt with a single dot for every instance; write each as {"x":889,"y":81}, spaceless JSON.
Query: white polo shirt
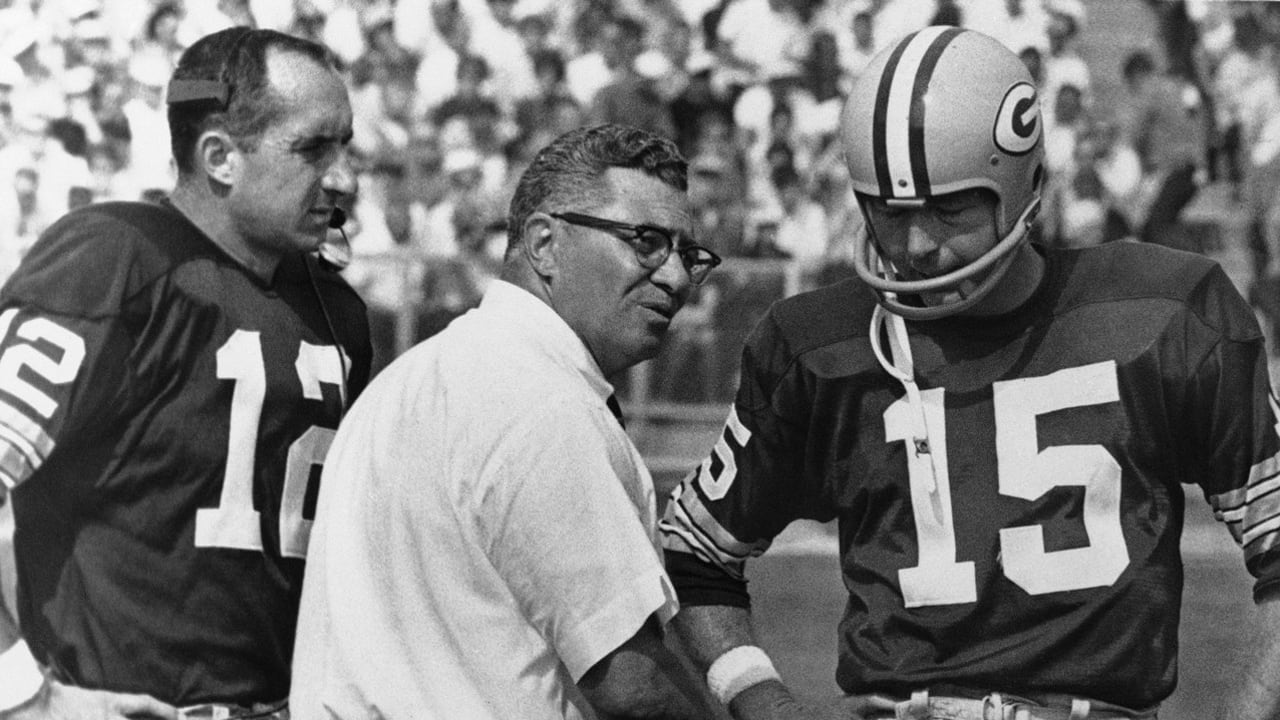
{"x":485,"y":531}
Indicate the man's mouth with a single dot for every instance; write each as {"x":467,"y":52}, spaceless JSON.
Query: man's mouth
{"x":666,"y":311}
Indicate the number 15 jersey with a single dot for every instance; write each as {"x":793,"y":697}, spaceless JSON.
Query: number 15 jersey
{"x":1035,"y":547}
{"x":163,"y":415}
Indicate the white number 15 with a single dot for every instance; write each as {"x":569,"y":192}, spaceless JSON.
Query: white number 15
{"x":1025,"y":472}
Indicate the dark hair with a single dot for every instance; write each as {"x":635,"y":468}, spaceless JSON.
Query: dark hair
{"x":549,"y":59}
{"x":237,"y":57}
{"x":1138,"y":62}
{"x":71,"y":134}
{"x":567,"y":173}
{"x":163,"y":10}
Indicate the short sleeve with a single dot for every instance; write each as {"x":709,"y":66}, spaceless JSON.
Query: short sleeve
{"x":567,"y":537}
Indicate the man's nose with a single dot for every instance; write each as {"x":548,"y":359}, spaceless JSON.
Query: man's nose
{"x":341,"y":177}
{"x":672,"y":275}
{"x":921,"y":242}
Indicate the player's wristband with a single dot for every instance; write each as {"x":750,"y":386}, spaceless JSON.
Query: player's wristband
{"x":20,"y":676}
{"x":739,"y":669}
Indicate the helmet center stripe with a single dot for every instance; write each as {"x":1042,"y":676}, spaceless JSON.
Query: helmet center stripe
{"x":904,"y":142}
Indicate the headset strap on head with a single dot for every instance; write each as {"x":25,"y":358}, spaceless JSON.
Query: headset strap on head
{"x":183,"y":91}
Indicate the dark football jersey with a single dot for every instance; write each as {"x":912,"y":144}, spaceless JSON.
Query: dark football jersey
{"x":1041,"y":552}
{"x":163,"y":414}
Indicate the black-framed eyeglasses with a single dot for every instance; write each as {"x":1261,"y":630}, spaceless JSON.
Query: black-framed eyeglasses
{"x":652,"y":244}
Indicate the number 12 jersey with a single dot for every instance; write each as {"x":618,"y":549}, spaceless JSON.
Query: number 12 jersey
{"x":163,"y":417}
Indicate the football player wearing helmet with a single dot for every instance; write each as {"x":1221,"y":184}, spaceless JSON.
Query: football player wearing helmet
{"x":1003,"y":432}
{"x":171,"y":375}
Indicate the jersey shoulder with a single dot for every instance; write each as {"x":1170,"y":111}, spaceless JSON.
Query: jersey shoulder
{"x":89,"y":262}
{"x":820,"y":317}
{"x":1122,"y":271}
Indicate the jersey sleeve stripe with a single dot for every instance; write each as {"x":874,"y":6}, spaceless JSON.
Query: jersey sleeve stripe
{"x":1264,"y":472}
{"x":1262,"y":537}
{"x":1253,"y":533}
{"x":1252,"y":513}
{"x":689,"y":527}
{"x":24,"y":445}
{"x":1264,"y":478}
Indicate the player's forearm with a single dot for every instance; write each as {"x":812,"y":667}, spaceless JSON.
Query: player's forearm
{"x":745,"y":681}
{"x":1256,"y":694}
{"x":709,"y":631}
{"x":642,"y":679}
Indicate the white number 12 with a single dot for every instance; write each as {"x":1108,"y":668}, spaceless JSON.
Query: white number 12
{"x":1025,"y":472}
{"x":235,"y":523}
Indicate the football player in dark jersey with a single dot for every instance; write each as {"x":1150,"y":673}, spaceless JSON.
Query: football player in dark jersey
{"x":1002,"y":432}
{"x":170,"y":378}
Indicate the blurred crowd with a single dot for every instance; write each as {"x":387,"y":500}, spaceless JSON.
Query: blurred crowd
{"x":452,"y":97}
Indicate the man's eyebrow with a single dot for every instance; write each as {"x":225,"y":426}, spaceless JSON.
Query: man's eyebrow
{"x":321,"y":138}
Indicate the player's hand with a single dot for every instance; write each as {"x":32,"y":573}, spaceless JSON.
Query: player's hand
{"x":66,"y":702}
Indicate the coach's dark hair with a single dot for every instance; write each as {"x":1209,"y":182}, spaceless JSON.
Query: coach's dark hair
{"x":568,"y":174}
{"x":236,"y":57}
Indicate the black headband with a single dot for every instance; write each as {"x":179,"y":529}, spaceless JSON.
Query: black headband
{"x":183,"y":91}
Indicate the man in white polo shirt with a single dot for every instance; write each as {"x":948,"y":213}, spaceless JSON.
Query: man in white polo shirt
{"x":485,"y":544}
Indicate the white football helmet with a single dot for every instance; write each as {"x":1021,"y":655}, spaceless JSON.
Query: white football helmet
{"x":944,"y":110}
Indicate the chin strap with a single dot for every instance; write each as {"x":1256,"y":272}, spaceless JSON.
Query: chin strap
{"x":902,"y":368}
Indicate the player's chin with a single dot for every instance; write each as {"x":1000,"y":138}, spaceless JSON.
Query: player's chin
{"x":309,"y":237}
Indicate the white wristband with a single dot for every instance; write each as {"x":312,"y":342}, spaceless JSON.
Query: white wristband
{"x":739,"y":669}
{"x":20,"y":676}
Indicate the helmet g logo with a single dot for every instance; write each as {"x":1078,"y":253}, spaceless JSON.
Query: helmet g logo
{"x":1018,"y":125}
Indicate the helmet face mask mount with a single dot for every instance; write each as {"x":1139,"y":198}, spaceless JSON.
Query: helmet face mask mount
{"x":943,"y":111}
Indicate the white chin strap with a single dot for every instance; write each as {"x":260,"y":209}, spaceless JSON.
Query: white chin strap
{"x":902,"y":368}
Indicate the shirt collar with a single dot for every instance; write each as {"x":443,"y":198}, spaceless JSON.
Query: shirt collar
{"x":535,"y":321}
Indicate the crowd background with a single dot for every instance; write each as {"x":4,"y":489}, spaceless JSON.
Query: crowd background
{"x":452,"y":98}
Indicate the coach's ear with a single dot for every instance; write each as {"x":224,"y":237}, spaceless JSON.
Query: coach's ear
{"x":540,"y":243}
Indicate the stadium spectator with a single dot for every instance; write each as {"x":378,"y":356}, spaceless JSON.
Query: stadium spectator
{"x":717,"y":203}
{"x":149,"y":165}
{"x":753,"y":56}
{"x":188,"y":364}
{"x":700,"y":96}
{"x":450,"y":40}
{"x":160,"y":35}
{"x":460,"y":569}
{"x":947,"y":12}
{"x":23,"y":218}
{"x":856,"y":47}
{"x":802,"y":222}
{"x":550,"y":113}
{"x":1062,"y":62}
{"x":1001,"y":431}
{"x":636,"y":95}
{"x":1016,"y":23}
{"x":1167,"y":137}
{"x":602,"y":46}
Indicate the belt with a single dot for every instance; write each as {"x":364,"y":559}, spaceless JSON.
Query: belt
{"x":1001,"y":706}
{"x":225,"y":711}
